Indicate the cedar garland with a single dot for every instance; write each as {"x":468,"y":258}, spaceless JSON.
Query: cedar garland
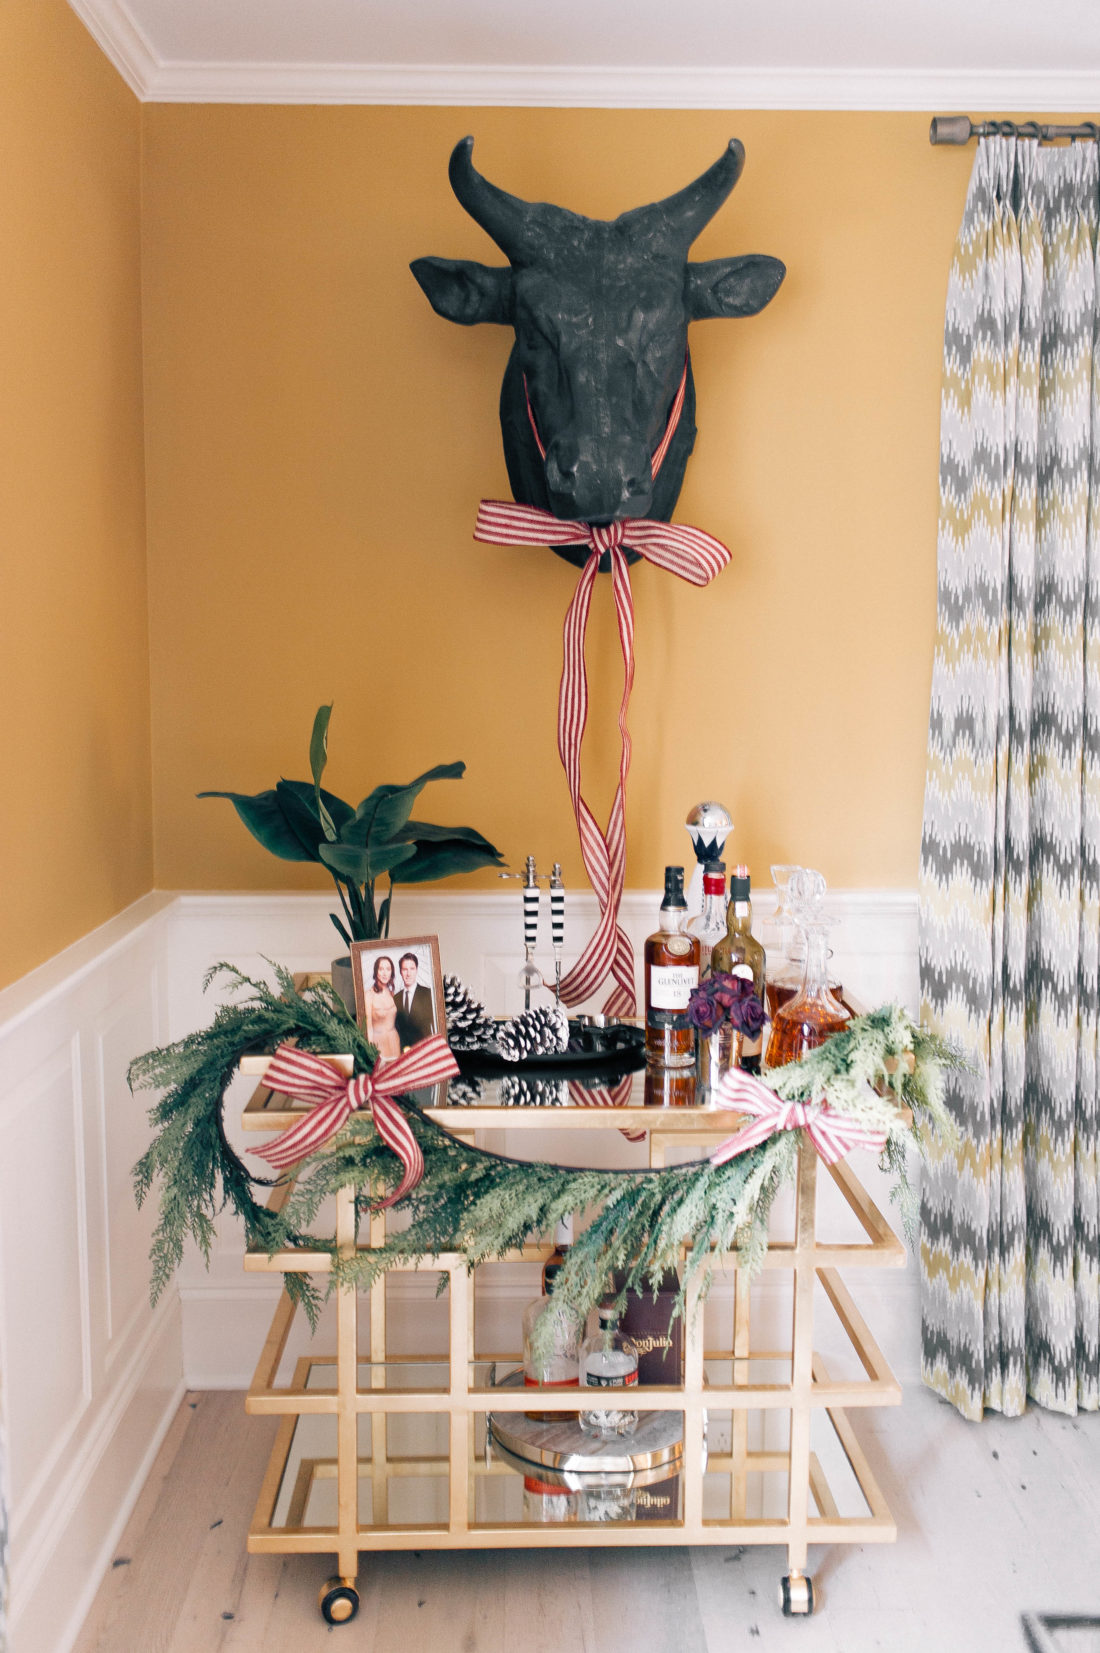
{"x":484,"y":1205}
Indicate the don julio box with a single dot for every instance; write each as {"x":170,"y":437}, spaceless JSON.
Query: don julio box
{"x":647,"y":1321}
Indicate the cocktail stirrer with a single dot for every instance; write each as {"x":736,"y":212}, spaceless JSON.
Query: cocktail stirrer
{"x":557,"y":923}
{"x":530,"y":976}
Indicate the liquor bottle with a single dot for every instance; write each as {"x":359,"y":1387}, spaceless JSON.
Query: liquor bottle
{"x":710,"y":925}
{"x":608,"y":1360}
{"x":808,"y":1019}
{"x":669,"y":1088}
{"x":558,"y":1368}
{"x":546,"y":1501}
{"x":563,"y":1239}
{"x":671,"y":971}
{"x":740,"y":954}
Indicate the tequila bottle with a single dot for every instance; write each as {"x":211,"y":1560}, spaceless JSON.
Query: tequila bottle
{"x":710,"y":925}
{"x":608,"y":1360}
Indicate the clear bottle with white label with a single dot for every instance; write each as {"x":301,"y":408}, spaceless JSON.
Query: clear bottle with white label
{"x":671,"y":972}
{"x":608,"y":1360}
{"x":710,"y":926}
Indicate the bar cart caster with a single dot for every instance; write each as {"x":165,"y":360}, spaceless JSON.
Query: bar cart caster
{"x":338,"y":1600}
{"x":796,"y":1595}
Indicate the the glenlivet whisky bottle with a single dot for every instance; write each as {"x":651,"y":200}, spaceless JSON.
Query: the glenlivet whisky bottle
{"x":671,"y":972}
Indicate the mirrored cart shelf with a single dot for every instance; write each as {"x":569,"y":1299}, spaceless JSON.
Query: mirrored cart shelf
{"x":379,"y":1448}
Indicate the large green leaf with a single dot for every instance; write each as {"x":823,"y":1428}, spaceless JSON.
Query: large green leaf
{"x":300,"y":807}
{"x":364,"y":864}
{"x":358,"y":829}
{"x":423,"y":831}
{"x":442,"y":860}
{"x":267,"y":823}
{"x":318,"y":757}
{"x":391,"y":812}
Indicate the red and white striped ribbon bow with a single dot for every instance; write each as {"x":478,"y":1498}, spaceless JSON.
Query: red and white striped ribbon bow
{"x":832,"y":1134}
{"x":692,"y":555}
{"x":334,"y":1098}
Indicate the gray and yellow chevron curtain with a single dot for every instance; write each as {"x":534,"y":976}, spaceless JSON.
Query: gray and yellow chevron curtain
{"x":1010,"y":854}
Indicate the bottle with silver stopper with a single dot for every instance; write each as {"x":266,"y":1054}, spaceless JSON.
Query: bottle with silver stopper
{"x":557,"y":923}
{"x":530,"y":976}
{"x":708,"y":826}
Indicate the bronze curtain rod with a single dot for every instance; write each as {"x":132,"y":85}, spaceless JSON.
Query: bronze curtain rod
{"x":959,"y":129}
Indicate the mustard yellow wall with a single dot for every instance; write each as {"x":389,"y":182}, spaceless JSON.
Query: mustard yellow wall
{"x":75,"y":827}
{"x":318,"y":440}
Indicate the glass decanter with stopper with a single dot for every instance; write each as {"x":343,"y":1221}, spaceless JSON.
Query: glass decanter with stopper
{"x":800,"y":895}
{"x":608,"y":1360}
{"x":809,"y":1018}
{"x":784,"y":968}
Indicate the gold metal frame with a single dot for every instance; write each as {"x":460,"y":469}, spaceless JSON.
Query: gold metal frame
{"x":812,"y":1514}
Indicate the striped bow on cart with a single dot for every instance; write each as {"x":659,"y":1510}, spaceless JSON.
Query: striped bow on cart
{"x":334,"y":1098}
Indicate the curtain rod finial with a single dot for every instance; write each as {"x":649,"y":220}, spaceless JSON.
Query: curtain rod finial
{"x":953,"y":129}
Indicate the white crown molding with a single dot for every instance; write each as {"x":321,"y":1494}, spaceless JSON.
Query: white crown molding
{"x":614,"y":87}
{"x":563,"y":86}
{"x":114,"y":30}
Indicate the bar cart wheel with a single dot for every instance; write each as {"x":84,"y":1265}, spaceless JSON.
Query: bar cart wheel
{"x":796,"y":1596}
{"x":338,"y":1600}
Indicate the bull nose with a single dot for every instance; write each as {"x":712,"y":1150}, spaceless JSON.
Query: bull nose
{"x":595,"y":487}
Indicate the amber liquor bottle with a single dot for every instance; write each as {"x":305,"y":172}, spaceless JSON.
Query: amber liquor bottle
{"x":671,"y":972}
{"x":740,"y":954}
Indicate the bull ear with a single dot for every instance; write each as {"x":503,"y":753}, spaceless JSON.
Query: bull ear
{"x":732,"y":286}
{"x":464,"y":292}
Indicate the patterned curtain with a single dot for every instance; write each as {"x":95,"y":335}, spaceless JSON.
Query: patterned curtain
{"x":1010,"y":856}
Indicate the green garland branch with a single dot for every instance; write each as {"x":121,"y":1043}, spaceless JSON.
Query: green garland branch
{"x":483,"y":1205}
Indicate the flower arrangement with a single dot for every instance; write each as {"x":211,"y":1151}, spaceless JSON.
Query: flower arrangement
{"x":724,"y":998}
{"x":300,"y":821}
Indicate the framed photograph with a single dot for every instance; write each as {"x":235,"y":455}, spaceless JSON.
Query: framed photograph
{"x":398,"y":992}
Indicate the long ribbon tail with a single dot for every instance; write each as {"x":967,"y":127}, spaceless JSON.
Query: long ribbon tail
{"x":608,"y":951}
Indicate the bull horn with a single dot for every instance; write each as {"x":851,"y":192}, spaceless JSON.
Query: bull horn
{"x":505,"y":217}
{"x":685,"y":214}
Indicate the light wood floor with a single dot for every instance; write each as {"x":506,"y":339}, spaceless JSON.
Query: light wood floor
{"x":993,"y":1520}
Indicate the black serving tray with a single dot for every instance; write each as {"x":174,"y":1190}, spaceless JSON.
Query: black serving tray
{"x":614,"y":1045}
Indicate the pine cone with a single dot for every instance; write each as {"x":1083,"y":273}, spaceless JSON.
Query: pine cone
{"x":519,"y":1090}
{"x":469,"y":1024}
{"x":464,"y":1092}
{"x":542,"y":1031}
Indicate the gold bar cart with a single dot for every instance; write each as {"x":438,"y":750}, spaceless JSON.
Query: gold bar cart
{"x":378,"y":1451}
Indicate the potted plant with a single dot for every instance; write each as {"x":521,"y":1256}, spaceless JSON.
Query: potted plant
{"x":360,"y":844}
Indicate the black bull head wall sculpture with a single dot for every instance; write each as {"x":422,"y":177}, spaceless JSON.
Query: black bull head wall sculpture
{"x":600,"y":310}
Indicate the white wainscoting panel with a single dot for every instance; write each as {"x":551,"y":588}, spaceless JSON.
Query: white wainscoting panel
{"x":91,"y":1374}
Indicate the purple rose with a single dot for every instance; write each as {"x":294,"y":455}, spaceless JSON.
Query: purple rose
{"x":703,"y":1013}
{"x":748,"y":1014}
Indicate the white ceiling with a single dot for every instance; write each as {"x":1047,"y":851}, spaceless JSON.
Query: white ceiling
{"x":915,"y":54}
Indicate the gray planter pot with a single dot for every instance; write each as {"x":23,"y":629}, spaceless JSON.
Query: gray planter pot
{"x":343,"y":982}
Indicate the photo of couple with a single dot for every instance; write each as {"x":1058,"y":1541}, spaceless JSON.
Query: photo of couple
{"x":396,"y":993}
